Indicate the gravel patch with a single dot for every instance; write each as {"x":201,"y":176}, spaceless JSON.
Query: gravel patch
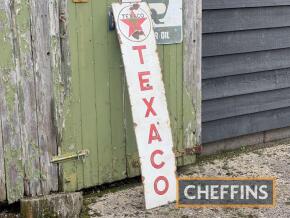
{"x":265,"y":162}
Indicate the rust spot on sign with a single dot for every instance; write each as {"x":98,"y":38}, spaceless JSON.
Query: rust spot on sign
{"x":135,"y":7}
{"x":143,"y":179}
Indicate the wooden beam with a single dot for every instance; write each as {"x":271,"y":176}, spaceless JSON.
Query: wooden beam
{"x":192,"y":11}
{"x":9,"y":105}
{"x":42,"y":62}
{"x":26,"y":98}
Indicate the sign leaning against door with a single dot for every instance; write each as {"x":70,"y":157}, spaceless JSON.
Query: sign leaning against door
{"x":148,"y":102}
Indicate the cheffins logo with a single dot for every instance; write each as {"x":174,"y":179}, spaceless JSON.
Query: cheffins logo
{"x":226,"y":192}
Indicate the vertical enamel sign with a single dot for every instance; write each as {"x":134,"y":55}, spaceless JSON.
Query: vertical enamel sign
{"x":148,"y":102}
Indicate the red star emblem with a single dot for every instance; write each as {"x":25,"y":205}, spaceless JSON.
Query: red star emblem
{"x":135,"y":24}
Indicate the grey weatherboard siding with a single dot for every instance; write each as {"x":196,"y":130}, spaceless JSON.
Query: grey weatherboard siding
{"x":246,"y":67}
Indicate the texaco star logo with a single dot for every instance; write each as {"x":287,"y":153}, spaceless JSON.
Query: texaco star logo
{"x":134,"y":23}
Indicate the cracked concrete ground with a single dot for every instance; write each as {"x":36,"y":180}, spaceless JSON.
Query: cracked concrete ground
{"x":265,"y":162}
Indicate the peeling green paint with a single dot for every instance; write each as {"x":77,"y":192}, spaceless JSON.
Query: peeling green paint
{"x":21,"y":104}
{"x":6,"y":60}
{"x":14,"y":173}
{"x":190,"y":124}
{"x":10,"y":97}
{"x":11,"y":136}
{"x":30,"y":171}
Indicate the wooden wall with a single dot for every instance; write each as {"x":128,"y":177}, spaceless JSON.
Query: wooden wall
{"x":62,"y":90}
{"x":28,"y":45}
{"x":97,"y":114}
{"x":246,"y":67}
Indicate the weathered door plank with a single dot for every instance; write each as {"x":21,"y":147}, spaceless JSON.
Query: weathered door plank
{"x":87,"y":91}
{"x":133,"y":166}
{"x":170,"y":80}
{"x":72,"y":171}
{"x":179,"y":101}
{"x":103,"y":103}
{"x":44,"y":93}
{"x":116,"y":72}
{"x":11,"y":134}
{"x":27,"y":100}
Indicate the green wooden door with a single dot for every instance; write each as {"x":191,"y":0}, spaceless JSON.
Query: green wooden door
{"x":97,"y":114}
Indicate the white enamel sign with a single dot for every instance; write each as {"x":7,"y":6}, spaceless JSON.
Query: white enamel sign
{"x":167,"y":19}
{"x":148,"y":102}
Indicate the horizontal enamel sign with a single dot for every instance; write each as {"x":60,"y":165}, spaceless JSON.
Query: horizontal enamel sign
{"x":148,"y":102}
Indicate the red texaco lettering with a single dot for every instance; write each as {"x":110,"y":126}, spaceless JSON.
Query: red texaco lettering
{"x":144,"y":82}
{"x":149,"y":106}
{"x":152,"y":159}
{"x":153,"y":134}
{"x":140,"y":49}
{"x":157,"y":180}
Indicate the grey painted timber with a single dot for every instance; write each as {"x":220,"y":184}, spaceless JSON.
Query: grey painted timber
{"x":241,"y":19}
{"x":224,"y":4}
{"x":246,"y":41}
{"x":245,"y":104}
{"x":246,"y":84}
{"x":247,"y":124}
{"x":246,"y":67}
{"x":228,"y":65}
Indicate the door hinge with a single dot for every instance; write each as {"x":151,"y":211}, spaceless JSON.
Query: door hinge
{"x":198,"y":149}
{"x":80,"y":155}
{"x":188,"y":151}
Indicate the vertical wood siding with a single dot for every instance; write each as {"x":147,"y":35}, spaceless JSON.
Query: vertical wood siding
{"x":28,"y":138}
{"x":97,"y":115}
{"x":11,"y":134}
{"x":246,"y":67}
{"x":192,"y":42}
{"x":62,"y":84}
{"x":27,"y":99}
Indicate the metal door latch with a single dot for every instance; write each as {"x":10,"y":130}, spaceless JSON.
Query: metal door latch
{"x":80,"y":1}
{"x":80,"y":155}
{"x":111,"y":20}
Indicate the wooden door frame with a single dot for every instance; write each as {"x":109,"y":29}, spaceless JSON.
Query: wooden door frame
{"x":192,"y":55}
